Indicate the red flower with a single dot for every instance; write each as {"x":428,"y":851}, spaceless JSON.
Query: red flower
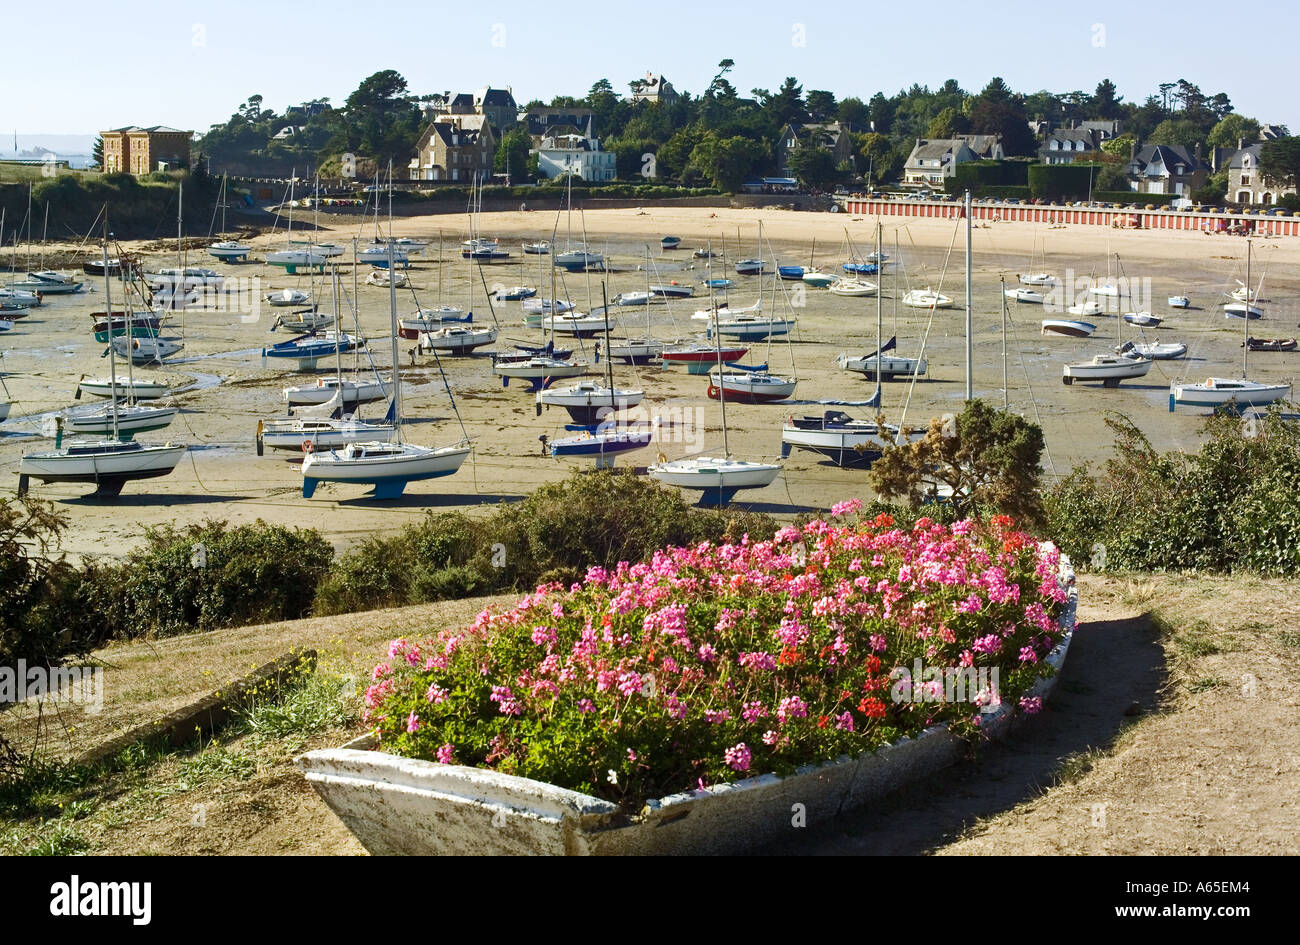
{"x":823,"y":721}
{"x":883,"y":520}
{"x":1001,"y":521}
{"x":872,"y":708}
{"x":846,"y":694}
{"x":789,"y":657}
{"x":873,"y":663}
{"x":606,"y":620}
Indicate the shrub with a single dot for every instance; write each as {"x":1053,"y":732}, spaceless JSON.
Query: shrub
{"x":213,"y":575}
{"x":1233,"y":505}
{"x":554,"y":534}
{"x":718,"y":662}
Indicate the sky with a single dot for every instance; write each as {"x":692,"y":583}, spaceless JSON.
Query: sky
{"x":189,"y":65}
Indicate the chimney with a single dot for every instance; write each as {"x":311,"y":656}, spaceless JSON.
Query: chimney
{"x":1132,"y":150}
{"x":1241,"y":143}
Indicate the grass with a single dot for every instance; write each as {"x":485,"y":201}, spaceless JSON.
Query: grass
{"x":43,"y":809}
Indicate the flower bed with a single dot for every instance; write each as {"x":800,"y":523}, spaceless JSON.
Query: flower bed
{"x":713,"y":664}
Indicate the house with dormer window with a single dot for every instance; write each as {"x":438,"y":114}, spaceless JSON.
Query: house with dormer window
{"x":1245,"y":183}
{"x":1167,"y":169}
{"x":934,"y":160}
{"x":457,"y":148}
{"x":1068,"y":145}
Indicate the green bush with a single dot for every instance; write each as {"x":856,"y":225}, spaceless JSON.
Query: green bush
{"x":1233,"y":505}
{"x":554,"y":534}
{"x":1063,"y":181}
{"x":1132,"y":196}
{"x":214,"y":575}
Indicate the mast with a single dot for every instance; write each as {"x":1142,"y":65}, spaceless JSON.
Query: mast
{"x":1245,"y":322}
{"x":112,"y":358}
{"x":180,"y":246}
{"x":970,"y":387}
{"x":880,"y":318}
{"x":722,"y":393}
{"x":397,"y":381}
{"x":1005,"y":390}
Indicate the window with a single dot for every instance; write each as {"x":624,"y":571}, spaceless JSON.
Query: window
{"x":1245,"y":180}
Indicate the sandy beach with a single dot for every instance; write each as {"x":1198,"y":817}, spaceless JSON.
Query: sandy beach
{"x":224,"y":388}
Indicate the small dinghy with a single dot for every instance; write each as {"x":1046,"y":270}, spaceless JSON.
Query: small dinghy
{"x":790,"y":273}
{"x":287,"y":297}
{"x":1038,"y":278}
{"x":1179,"y":301}
{"x":1167,"y":351}
{"x":382,"y":277}
{"x":1064,"y":326}
{"x":1271,"y":344}
{"x":926,"y":298}
{"x":1086,"y":309}
{"x":1143,"y":319}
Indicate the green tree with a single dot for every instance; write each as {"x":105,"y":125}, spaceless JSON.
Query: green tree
{"x":1105,"y":103}
{"x":852,"y":111}
{"x":997,"y":111}
{"x":821,"y":105}
{"x":813,"y":167}
{"x":1176,"y":131}
{"x":726,"y":161}
{"x":1112,"y":177}
{"x":1120,"y":145}
{"x":947,"y":124}
{"x":674,"y":154}
{"x":512,"y":153}
{"x":1233,"y":128}
{"x":97,"y":152}
{"x":989,"y":458}
{"x":1279,"y":161}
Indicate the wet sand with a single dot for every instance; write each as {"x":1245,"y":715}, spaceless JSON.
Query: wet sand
{"x":229,"y":388}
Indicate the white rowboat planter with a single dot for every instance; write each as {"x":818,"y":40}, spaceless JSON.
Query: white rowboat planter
{"x":396,"y":805}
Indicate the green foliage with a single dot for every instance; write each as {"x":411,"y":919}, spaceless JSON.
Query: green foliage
{"x":1177,"y":132}
{"x":1233,"y":505}
{"x":813,"y":167}
{"x":1232,"y":129}
{"x":210,"y":575}
{"x":556,"y":533}
{"x":727,"y":162}
{"x":1065,"y":181}
{"x":512,"y":154}
{"x":983,"y":178}
{"x":1279,"y":161}
{"x":988,"y":458}
{"x":1120,"y":145}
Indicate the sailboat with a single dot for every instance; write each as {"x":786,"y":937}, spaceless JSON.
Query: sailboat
{"x":459,"y":336}
{"x":1222,"y":392}
{"x":580,"y":258}
{"x":315,"y":432}
{"x":718,"y":478}
{"x":388,"y":466}
{"x":587,"y":402}
{"x":108,"y":462}
{"x":231,"y":251}
{"x":605,"y":440}
{"x":639,"y":350}
{"x":291,"y":258}
{"x":876,"y":366}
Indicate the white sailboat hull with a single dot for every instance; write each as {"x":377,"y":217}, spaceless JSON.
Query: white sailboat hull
{"x":1219,"y":391}
{"x":1108,"y":369}
{"x":377,"y":462}
{"x":322,"y":434}
{"x":325,"y":390}
{"x":708,"y":473}
{"x":130,"y":419}
{"x":90,"y":463}
{"x":887,"y":366}
{"x":140,"y":390}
